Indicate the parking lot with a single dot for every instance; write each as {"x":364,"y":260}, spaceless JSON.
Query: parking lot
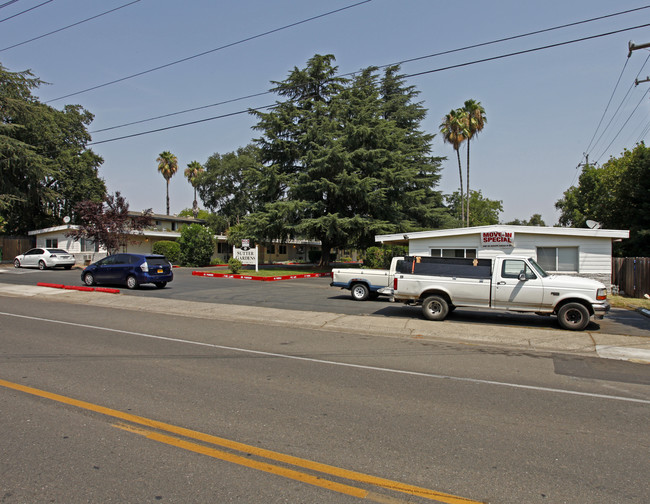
{"x":316,"y":295}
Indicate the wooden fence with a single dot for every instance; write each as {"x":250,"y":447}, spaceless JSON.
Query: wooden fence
{"x":632,"y":275}
{"x":11,"y":246}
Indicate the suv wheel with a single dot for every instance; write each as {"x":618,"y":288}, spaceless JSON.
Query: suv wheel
{"x":131,"y":282}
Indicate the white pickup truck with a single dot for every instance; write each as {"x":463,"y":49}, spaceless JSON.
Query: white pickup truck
{"x":364,"y":283}
{"x":510,"y":283}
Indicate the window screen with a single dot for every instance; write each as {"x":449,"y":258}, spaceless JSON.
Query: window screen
{"x":558,"y":258}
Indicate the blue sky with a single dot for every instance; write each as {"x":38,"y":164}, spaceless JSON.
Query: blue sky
{"x":543,"y":107}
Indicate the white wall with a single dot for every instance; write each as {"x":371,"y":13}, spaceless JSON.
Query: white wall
{"x":594,"y":253}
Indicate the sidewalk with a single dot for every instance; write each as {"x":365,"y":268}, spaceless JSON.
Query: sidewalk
{"x":594,"y":344}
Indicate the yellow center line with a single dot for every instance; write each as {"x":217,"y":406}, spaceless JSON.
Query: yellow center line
{"x":241,"y":447}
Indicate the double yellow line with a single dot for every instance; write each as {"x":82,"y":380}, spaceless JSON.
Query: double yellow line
{"x":135,"y":422}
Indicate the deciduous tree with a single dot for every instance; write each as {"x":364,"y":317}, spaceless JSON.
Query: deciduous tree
{"x":45,"y":166}
{"x":486,"y":211}
{"x":617,"y":195}
{"x":108,"y":223}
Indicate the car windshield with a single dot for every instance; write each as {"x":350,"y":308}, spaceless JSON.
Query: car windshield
{"x":56,"y":251}
{"x":537,"y":267}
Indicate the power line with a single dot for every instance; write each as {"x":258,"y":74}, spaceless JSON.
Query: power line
{"x":514,"y":37}
{"x":25,"y":11}
{"x":182,"y":60}
{"x":620,"y":106}
{"x":624,"y":124}
{"x":6,"y":4}
{"x":181,"y":125}
{"x":410,"y":60}
{"x":405,"y":76}
{"x":183,"y":111}
{"x":69,"y":26}
{"x":526,"y":51}
{"x":608,"y":104}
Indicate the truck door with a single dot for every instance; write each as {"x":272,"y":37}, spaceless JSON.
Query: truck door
{"x":514,"y":291}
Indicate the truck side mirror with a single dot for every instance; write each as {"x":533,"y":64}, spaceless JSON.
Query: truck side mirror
{"x":522,"y":277}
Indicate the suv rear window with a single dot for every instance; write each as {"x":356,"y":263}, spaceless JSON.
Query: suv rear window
{"x":157,"y":261}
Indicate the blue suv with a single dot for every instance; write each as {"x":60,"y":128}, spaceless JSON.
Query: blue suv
{"x":130,"y":270}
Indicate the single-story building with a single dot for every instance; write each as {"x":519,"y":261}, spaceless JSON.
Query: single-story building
{"x":571,"y":251}
{"x":166,"y":227}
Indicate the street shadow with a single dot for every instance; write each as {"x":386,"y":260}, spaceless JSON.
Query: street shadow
{"x":479,"y":316}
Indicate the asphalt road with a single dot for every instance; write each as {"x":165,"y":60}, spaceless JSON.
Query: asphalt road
{"x":315,"y":294}
{"x":102,"y":405}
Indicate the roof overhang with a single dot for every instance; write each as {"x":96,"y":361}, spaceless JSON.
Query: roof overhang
{"x":403,"y":238}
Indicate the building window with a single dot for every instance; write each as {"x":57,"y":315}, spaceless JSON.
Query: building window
{"x":87,"y":245}
{"x":283,"y":249}
{"x":222,"y":248}
{"x":270,"y":249}
{"x":174,"y":226}
{"x":51,"y":243}
{"x":558,"y":258}
{"x":440,"y":252}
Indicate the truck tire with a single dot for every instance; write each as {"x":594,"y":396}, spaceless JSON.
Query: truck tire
{"x":359,"y":292}
{"x":435,"y":308}
{"x":573,"y":317}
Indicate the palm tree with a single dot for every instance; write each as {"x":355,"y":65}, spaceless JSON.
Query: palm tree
{"x":167,"y":166}
{"x":193,"y":170}
{"x":475,"y":121}
{"x":453,"y":132}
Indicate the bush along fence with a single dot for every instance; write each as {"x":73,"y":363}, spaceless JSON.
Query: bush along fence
{"x":631,"y":275}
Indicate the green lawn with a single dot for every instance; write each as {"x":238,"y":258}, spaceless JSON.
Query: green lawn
{"x":270,"y":272}
{"x":628,"y":302}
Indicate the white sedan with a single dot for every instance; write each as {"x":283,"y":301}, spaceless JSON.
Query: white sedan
{"x":43,"y":258}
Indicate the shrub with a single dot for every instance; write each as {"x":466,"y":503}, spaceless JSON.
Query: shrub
{"x":170,"y":249}
{"x":197,"y":245}
{"x":380,"y":257}
{"x":235,"y":265}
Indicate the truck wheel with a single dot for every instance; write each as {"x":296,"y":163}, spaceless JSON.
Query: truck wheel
{"x":359,"y":292}
{"x":573,"y":317}
{"x":435,"y":308}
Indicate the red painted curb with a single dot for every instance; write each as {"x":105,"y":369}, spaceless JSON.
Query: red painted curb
{"x":259,"y":278}
{"x":106,"y":289}
{"x":54,"y":286}
{"x":78,"y":288}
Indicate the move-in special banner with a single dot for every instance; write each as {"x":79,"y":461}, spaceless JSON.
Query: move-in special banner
{"x":497,"y":239}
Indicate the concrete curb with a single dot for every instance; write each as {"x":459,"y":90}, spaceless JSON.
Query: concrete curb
{"x":610,"y":346}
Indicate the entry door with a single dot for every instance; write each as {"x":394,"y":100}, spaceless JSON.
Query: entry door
{"x":512,"y":293}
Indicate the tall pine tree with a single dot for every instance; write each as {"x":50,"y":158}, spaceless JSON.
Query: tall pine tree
{"x":343,"y":160}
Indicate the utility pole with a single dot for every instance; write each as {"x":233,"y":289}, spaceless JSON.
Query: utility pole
{"x":633,"y":47}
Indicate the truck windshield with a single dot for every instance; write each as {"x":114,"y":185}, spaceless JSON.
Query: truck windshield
{"x":537,"y":267}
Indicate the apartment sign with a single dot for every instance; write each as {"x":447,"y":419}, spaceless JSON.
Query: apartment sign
{"x":497,"y":239}
{"x":246,"y":255}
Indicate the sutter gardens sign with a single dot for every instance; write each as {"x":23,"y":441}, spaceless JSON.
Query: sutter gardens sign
{"x":246,"y":254}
